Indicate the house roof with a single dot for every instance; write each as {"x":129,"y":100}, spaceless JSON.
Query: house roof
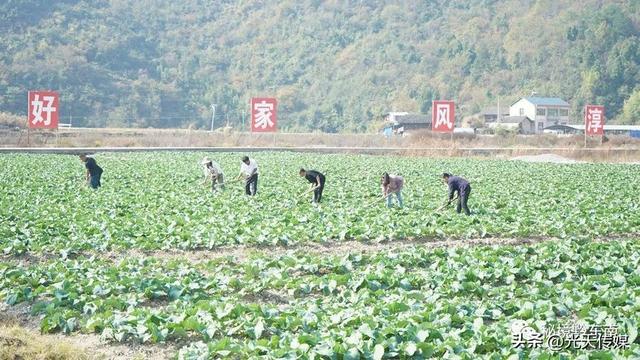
{"x":606,"y":127}
{"x":514,"y":119}
{"x":395,"y":113}
{"x":492,"y":110}
{"x":494,"y":125}
{"x":549,"y":101}
{"x":413,"y":119}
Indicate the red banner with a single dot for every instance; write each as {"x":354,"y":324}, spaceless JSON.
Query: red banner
{"x":594,"y":120}
{"x":443,"y":116}
{"x":42,"y":109}
{"x":264,"y":114}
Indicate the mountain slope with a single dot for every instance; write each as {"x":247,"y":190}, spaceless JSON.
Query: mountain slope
{"x":334,"y":66}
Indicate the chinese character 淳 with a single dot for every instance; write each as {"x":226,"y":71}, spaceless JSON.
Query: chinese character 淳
{"x":595,"y":120}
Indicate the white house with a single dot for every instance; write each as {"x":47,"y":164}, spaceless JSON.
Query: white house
{"x":542,"y":110}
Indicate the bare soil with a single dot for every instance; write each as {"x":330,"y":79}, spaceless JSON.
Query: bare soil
{"x":241,"y":254}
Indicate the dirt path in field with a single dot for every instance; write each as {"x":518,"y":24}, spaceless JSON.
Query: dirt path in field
{"x":240,"y":254}
{"x":20,"y":329}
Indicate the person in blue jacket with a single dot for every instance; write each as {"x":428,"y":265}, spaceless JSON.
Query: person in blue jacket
{"x":462,"y":187}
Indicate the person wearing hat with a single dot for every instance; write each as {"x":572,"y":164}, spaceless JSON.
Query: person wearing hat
{"x":213,"y":172}
{"x":94,"y":172}
{"x":249,"y":170}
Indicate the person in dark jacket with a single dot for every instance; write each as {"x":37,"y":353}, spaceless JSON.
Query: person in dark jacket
{"x":317,"y":182}
{"x":462,"y":187}
{"x":94,"y":172}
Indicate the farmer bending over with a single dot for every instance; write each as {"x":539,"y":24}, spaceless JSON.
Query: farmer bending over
{"x":249,"y":170}
{"x":462,"y":187}
{"x":392,"y":184}
{"x":213,"y":171}
{"x":94,"y":172}
{"x":317,"y":183}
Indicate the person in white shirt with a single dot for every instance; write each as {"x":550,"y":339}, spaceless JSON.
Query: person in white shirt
{"x":249,"y":169}
{"x":213,"y":172}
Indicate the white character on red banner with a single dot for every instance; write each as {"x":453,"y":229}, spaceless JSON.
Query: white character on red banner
{"x":42,"y":109}
{"x":263,"y":114}
{"x":442,"y":117}
{"x":594,"y":117}
{"x":38,"y":107}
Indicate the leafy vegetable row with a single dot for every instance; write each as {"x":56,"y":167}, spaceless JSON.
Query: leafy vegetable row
{"x":155,"y":201}
{"x":416,"y":302}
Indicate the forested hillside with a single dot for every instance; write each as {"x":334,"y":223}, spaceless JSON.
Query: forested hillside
{"x":333,"y":65}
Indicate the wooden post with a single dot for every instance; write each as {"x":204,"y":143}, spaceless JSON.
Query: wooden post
{"x":585,"y":126}
{"x":452,"y":144}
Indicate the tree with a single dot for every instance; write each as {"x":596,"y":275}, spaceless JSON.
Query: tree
{"x":334,"y":67}
{"x":631,"y":110}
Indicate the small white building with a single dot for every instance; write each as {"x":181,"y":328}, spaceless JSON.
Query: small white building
{"x":543,"y":111}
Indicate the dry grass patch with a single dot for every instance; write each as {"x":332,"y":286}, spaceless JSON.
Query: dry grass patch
{"x":17,"y":342}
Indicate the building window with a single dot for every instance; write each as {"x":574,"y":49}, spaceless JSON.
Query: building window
{"x":540,"y":126}
{"x":541,"y":111}
{"x":552,"y":112}
{"x":521,"y":111}
{"x":564,"y":112}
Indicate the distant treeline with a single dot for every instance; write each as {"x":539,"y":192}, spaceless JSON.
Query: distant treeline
{"x":333,"y":65}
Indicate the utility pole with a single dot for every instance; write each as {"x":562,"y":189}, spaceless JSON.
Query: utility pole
{"x":213,"y":115}
{"x":243,"y":110}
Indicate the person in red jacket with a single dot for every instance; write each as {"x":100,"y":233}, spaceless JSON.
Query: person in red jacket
{"x":392,"y":184}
